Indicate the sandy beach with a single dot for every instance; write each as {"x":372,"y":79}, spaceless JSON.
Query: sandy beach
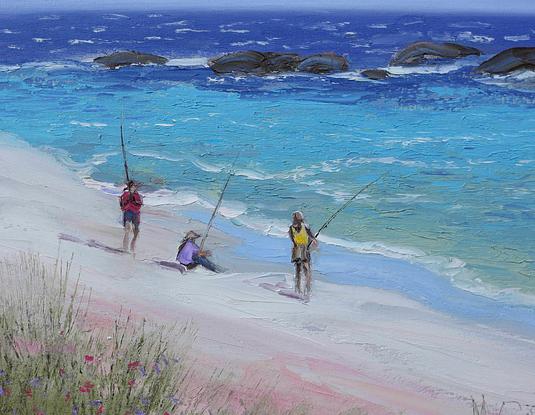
{"x":348,"y":347}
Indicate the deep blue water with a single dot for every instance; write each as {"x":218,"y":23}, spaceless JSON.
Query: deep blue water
{"x":458,"y":149}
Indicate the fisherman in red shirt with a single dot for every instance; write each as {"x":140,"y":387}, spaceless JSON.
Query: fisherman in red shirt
{"x":130,"y":202}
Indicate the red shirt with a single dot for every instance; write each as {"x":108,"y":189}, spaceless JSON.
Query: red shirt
{"x":131,"y":201}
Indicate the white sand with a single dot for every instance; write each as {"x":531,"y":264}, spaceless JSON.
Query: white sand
{"x":349,"y":345}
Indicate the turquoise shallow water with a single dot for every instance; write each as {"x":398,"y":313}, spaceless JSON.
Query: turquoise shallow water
{"x":458,"y":154}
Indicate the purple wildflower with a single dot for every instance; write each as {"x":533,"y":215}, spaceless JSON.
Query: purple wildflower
{"x":2,"y":373}
{"x":139,"y":412}
{"x":174,"y":400}
{"x":96,"y":403}
{"x":142,"y":371}
{"x":35,"y":382}
{"x":1,"y":391}
{"x":157,"y":368}
{"x":74,"y":410}
{"x":145,"y":401}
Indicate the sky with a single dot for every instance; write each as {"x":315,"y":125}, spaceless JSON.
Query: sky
{"x":489,"y":6}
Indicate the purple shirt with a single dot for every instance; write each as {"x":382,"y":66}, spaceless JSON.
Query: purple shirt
{"x":188,"y":251}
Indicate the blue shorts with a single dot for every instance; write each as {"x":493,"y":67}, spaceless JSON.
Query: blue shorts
{"x":133,"y":217}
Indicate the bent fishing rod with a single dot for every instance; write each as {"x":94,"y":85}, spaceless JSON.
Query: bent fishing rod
{"x":214,"y":213}
{"x":124,"y":152}
{"x":346,"y":204}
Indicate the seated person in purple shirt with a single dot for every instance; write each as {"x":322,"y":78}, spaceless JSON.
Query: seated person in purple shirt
{"x":190,"y":255}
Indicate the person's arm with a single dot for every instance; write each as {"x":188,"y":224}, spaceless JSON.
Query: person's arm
{"x":180,"y":247}
{"x":291,"y":234}
{"x":313,"y":239}
{"x":122,"y":201}
{"x":138,"y":200}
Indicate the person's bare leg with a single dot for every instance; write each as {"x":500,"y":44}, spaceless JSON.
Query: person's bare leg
{"x":126,"y":236}
{"x":308,"y":277}
{"x":297,"y":281}
{"x":133,"y":243}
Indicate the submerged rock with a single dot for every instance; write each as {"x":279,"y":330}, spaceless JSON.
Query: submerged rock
{"x":424,"y":52}
{"x":508,"y":61}
{"x":262,"y":63}
{"x":375,"y":74}
{"x":127,"y":58}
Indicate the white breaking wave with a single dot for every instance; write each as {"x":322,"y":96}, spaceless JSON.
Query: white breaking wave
{"x":8,"y":32}
{"x":517,"y":38}
{"x":190,"y":30}
{"x":327,"y":26}
{"x":50,"y":17}
{"x":153,"y":154}
{"x":9,"y":68}
{"x":40,"y":39}
{"x":177,"y":23}
{"x":152,"y":38}
{"x":89,"y":124}
{"x":80,"y":41}
{"x":351,"y":76}
{"x":190,"y":62}
{"x":99,"y":29}
{"x":521,"y":80}
{"x":115,"y":16}
{"x":470,"y":37}
{"x":378,"y":26}
{"x":435,"y":68}
{"x":469,"y":25}
{"x":251,"y":42}
{"x":413,"y":22}
{"x":234,"y":31}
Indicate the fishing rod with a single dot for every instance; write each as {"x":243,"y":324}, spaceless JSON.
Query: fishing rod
{"x":346,"y":204}
{"x":124,"y":151}
{"x":214,"y":213}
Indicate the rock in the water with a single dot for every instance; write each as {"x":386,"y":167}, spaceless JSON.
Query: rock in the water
{"x":508,"y":61}
{"x":118,"y":59}
{"x":375,"y":74}
{"x":281,"y":62}
{"x":424,"y":52}
{"x":262,"y":63}
{"x":323,"y":63}
{"x":248,"y":61}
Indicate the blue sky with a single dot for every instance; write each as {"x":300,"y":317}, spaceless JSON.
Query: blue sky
{"x":514,"y":6}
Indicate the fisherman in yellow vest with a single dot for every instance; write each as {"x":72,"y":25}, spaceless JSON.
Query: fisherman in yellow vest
{"x":302,"y":238}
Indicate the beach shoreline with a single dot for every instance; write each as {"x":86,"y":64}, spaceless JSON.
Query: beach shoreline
{"x":350,"y":346}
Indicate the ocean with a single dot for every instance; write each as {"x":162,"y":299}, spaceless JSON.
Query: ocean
{"x":456,"y":150}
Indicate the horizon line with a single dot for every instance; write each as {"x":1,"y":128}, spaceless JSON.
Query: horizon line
{"x":270,"y":8}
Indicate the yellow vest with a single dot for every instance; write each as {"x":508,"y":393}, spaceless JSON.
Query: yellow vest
{"x":301,"y":237}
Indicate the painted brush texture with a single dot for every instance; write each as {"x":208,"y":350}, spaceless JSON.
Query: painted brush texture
{"x":457,"y":203}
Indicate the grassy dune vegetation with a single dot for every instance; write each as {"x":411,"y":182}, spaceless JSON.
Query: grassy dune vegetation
{"x":55,"y":361}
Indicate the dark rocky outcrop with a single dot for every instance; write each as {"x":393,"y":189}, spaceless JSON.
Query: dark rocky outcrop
{"x":508,"y":61}
{"x":375,"y":74}
{"x":127,"y":58}
{"x":281,"y":62}
{"x":425,"y":52}
{"x":248,"y":61}
{"x":262,"y":63}
{"x":323,"y":63}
